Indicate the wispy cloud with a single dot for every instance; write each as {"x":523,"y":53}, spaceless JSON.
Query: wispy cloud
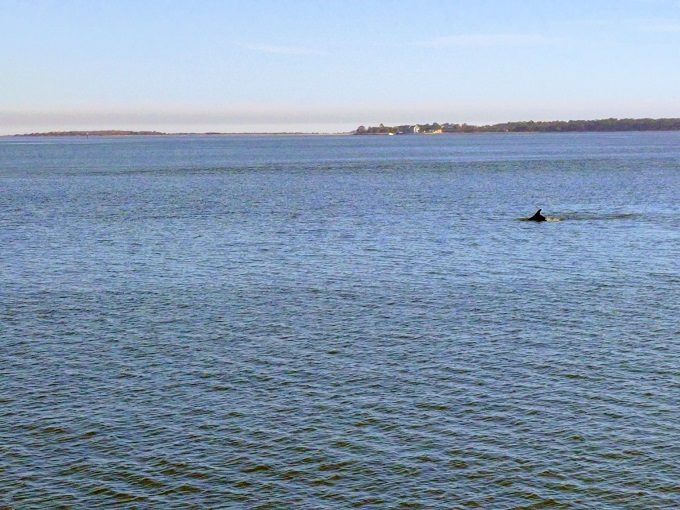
{"x":284,"y":50}
{"x":488,"y":40}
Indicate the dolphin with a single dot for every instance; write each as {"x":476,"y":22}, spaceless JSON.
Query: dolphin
{"x":537,"y":217}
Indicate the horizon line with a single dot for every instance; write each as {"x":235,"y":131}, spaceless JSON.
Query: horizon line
{"x":153,"y":132}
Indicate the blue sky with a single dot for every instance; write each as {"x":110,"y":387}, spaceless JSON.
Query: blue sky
{"x":332,"y":65}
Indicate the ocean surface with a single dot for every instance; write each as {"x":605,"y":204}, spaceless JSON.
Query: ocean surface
{"x":340,"y":322}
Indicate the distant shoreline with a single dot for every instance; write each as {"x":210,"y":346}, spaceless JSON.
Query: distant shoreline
{"x":530,"y":126}
{"x":610,"y":125}
{"x":346,"y":134}
{"x":159,"y":134}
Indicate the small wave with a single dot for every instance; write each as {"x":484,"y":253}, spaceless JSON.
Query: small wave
{"x":581,"y":216}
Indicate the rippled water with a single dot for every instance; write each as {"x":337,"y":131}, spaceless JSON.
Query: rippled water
{"x":340,"y":322}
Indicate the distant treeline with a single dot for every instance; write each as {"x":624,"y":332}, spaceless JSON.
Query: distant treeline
{"x":530,"y":126}
{"x":118,"y":132}
{"x":109,"y":132}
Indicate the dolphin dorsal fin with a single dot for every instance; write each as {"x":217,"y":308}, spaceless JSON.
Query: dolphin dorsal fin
{"x":538,"y":216}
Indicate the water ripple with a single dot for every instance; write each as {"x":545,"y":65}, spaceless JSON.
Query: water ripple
{"x":249,"y":327}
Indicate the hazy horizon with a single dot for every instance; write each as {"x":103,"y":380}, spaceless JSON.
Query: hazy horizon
{"x":302,"y":128}
{"x":271,"y":67}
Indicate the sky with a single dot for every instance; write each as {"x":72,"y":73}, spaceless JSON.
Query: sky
{"x":255,"y":66}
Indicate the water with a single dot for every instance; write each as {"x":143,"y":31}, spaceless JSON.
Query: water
{"x":340,"y":322}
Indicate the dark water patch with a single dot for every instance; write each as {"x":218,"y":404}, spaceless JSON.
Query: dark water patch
{"x":368,"y":502}
{"x":600,"y":216}
{"x":116,"y":496}
{"x":256,"y":468}
{"x":432,"y":406}
{"x":182,"y":489}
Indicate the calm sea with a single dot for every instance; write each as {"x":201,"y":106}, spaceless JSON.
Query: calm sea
{"x":340,"y":322}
